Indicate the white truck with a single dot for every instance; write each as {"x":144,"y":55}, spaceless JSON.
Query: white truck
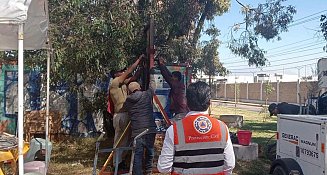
{"x":301,"y":145}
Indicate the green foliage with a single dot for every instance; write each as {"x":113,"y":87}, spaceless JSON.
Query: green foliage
{"x":271,"y":18}
{"x":179,"y":24}
{"x":323,"y":25}
{"x":268,"y":89}
{"x":248,"y":49}
{"x":183,"y":16}
{"x":91,"y":37}
{"x":266,"y":21}
{"x":208,"y":60}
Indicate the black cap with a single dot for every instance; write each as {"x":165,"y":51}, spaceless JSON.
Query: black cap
{"x":114,"y":71}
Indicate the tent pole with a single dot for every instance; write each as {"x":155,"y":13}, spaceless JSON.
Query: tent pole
{"x":47,"y":110}
{"x":49,"y":50}
{"x":20,"y":98}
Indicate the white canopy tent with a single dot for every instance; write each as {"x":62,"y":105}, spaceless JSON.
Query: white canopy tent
{"x":24,"y":26}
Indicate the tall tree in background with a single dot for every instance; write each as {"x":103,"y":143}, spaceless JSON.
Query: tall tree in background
{"x":265,"y":21}
{"x":323,"y":26}
{"x":179,"y":24}
{"x":208,"y":62}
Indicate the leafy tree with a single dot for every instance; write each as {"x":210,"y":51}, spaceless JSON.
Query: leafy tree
{"x":266,"y":21}
{"x":268,"y":89}
{"x":323,"y":26}
{"x":90,"y":37}
{"x":208,"y":61}
{"x":180,"y":23}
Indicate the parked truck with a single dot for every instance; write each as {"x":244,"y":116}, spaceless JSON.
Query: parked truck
{"x":301,"y":145}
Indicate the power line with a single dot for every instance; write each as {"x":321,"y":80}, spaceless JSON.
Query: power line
{"x":295,"y":47}
{"x":280,"y":59}
{"x":283,"y":46}
{"x":305,"y":21}
{"x":298,"y":23}
{"x":293,"y":51}
{"x":298,"y":56}
{"x":286,"y":63}
{"x":309,"y":15}
{"x":292,"y":43}
{"x":277,"y":69}
{"x":282,"y":64}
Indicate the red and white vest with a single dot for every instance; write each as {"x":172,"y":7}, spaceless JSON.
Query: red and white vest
{"x":199,"y":142}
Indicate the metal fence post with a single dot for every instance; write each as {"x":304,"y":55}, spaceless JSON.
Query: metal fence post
{"x":225,"y":93}
{"x":247,"y":90}
{"x":297,"y":91}
{"x":277,"y":91}
{"x":261,"y":89}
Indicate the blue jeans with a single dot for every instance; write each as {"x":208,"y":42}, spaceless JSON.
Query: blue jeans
{"x":144,"y":144}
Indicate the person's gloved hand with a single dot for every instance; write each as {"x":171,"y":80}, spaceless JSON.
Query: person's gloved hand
{"x":161,"y":61}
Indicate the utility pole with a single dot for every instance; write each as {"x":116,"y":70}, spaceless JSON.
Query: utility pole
{"x":150,"y":48}
{"x":305,"y":72}
{"x":151,"y":36}
{"x":235,"y":92}
{"x":298,"y":72}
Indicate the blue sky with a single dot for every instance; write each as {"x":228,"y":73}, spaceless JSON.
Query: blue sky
{"x":297,"y":52}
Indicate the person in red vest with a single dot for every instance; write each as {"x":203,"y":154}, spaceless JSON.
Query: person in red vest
{"x":199,"y":143}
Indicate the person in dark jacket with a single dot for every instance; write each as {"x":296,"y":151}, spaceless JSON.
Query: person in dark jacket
{"x":139,"y":106}
{"x":178,"y":106}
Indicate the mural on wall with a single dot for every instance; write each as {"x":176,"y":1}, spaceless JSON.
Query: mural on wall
{"x":61,"y":100}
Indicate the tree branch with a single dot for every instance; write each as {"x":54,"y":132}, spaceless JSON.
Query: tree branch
{"x":198,"y":29}
{"x":241,"y":4}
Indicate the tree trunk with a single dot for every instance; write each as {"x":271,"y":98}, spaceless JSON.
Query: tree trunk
{"x":199,"y":27}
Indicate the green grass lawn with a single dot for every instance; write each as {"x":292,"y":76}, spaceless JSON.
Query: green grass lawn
{"x":75,"y":156}
{"x":263,"y":131}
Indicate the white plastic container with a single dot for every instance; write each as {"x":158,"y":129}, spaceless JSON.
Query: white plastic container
{"x":37,"y":144}
{"x":35,"y":167}
{"x":33,"y":173}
